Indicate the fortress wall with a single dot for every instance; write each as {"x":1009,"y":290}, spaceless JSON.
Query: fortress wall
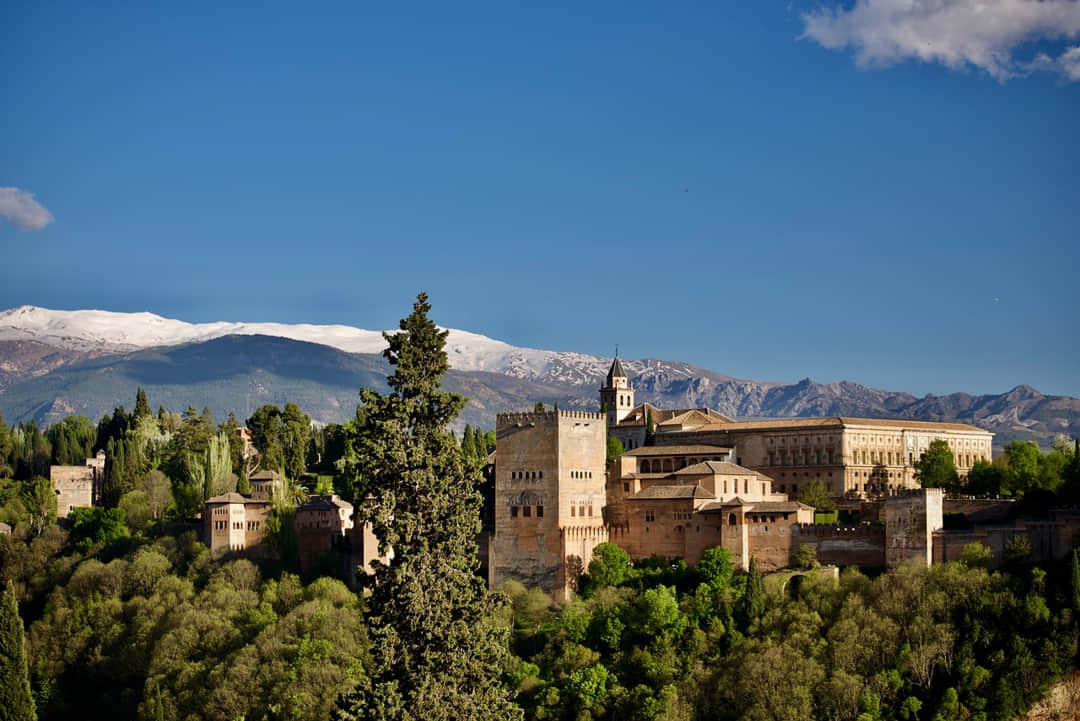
{"x":74,"y":487}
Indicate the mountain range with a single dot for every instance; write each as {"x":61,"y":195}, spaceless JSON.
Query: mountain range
{"x":56,"y":363}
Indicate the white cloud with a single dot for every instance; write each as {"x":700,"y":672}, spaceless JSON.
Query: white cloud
{"x":956,"y":33}
{"x":22,"y":211}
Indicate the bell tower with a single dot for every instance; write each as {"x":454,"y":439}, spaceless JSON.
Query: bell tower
{"x":617,"y":394}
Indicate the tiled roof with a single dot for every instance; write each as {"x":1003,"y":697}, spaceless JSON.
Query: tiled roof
{"x":837,"y":422}
{"x":653,"y":493}
{"x":676,"y":450}
{"x":615,"y":372}
{"x":233,"y":497}
{"x":265,"y":476}
{"x":325,"y":503}
{"x":722,"y":468}
{"x":756,"y":507}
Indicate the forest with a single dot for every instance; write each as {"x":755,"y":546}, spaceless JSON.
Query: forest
{"x":122,"y":612}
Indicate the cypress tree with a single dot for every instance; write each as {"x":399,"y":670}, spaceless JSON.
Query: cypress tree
{"x":752,"y":603}
{"x":468,"y":446}
{"x":142,"y":408}
{"x":16,"y":702}
{"x":481,"y":446}
{"x":437,"y":653}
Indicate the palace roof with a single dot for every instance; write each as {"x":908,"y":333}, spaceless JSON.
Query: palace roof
{"x":659,"y":493}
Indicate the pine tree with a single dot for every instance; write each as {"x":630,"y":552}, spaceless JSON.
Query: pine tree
{"x":16,"y":702}
{"x":437,"y":654}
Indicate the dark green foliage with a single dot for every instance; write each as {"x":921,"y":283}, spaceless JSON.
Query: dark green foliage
{"x":142,"y":407}
{"x":437,"y":650}
{"x":936,"y":468}
{"x":985,"y":479}
{"x":16,"y":703}
{"x":751,"y":606}
{"x":650,"y":428}
{"x":97,"y":525}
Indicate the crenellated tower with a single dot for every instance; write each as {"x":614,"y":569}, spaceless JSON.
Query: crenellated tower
{"x":617,"y":394}
{"x":550,"y":493}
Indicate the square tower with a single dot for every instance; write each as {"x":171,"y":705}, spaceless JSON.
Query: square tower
{"x":550,"y":492}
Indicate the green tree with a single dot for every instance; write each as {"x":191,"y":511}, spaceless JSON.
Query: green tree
{"x":142,"y":408}
{"x":752,"y":604}
{"x":295,"y":437}
{"x":716,"y":567}
{"x":435,"y":645}
{"x":650,"y":428}
{"x":817,"y":495}
{"x":985,"y":479}
{"x":936,"y":467}
{"x":1023,"y":466}
{"x":610,"y":566}
{"x":40,"y":502}
{"x":16,"y":702}
{"x":614,"y":448}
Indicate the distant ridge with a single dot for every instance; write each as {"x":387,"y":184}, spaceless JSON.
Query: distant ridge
{"x":54,"y":363}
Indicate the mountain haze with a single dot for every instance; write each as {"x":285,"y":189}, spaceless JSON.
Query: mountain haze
{"x":55,"y":363}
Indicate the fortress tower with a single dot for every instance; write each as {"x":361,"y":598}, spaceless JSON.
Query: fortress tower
{"x":617,"y":394}
{"x":549,"y":498}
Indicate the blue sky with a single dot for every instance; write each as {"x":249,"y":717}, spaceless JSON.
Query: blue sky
{"x":694,"y":181}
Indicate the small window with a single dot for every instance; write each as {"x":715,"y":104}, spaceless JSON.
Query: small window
{"x":526,"y":511}
{"x":573,"y":511}
{"x":539,"y":511}
{"x":626,"y":487}
{"x":513,"y":511}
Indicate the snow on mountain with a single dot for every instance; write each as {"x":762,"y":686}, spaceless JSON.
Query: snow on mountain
{"x":99,"y":331}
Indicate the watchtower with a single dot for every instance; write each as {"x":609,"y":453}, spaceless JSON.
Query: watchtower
{"x":549,"y":498}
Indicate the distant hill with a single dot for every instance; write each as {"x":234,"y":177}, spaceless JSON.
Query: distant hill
{"x":55,"y":363}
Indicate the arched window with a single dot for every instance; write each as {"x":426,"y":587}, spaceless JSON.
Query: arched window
{"x":731,"y":519}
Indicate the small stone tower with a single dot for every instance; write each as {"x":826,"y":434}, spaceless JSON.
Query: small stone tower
{"x":617,"y":394}
{"x":550,"y":493}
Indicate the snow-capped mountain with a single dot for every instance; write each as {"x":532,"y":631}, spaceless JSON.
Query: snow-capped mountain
{"x":99,"y":332}
{"x":54,"y":363}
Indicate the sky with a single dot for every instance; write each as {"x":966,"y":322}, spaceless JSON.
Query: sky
{"x":884,"y":191}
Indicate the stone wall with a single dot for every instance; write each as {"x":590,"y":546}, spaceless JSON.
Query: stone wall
{"x":911,"y":518}
{"x":74,"y":487}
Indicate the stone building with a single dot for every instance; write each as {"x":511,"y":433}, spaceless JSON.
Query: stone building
{"x":322,"y":525}
{"x":232,"y":522}
{"x":707,"y":481}
{"x":266,"y":485}
{"x":78,"y":486}
{"x":549,"y":498}
{"x":854,"y":457}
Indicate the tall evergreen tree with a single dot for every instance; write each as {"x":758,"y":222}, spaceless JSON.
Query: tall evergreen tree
{"x":16,"y":702}
{"x":752,"y":604}
{"x":142,"y":408}
{"x":438,"y":656}
{"x":480,"y":443}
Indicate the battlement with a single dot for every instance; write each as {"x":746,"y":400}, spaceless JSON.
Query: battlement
{"x":534,"y":418}
{"x":867,"y":530}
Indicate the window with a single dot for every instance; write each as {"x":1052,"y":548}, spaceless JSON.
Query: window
{"x":731,"y":519}
{"x":573,"y":511}
{"x":626,"y":487}
{"x":590,"y":510}
{"x":539,"y":511}
{"x":513,"y":511}
{"x":650,"y":516}
{"x":526,"y":511}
